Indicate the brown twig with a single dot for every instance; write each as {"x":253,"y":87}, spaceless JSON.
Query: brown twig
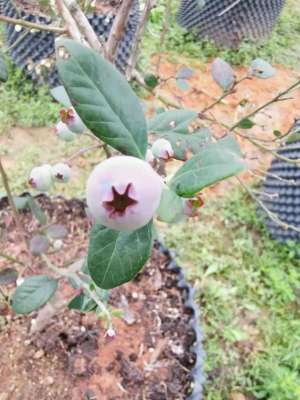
{"x":84,"y":25}
{"x":224,"y":95}
{"x":163,"y":34}
{"x":32,"y":25}
{"x":5,"y":181}
{"x":138,"y":37}
{"x":11,"y":259}
{"x":275,"y":99}
{"x":117,"y":29}
{"x":69,"y":20}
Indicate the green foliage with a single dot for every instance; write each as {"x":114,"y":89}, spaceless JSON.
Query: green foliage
{"x":116,"y":257}
{"x":281,"y":48}
{"x":25,"y":104}
{"x":103,"y":98}
{"x":33,"y":293}
{"x":173,"y":126}
{"x":214,"y":162}
{"x":248,"y":289}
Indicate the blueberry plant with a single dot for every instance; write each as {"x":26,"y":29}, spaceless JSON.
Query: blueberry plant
{"x":133,"y":187}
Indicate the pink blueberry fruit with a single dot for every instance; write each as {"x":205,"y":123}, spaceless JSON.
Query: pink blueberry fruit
{"x":123,"y":193}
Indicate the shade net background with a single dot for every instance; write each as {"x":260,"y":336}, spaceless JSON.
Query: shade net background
{"x":286,"y":201}
{"x":34,"y":52}
{"x":228,"y":22}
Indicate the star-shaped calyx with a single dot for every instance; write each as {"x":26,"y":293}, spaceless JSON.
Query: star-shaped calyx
{"x":120,"y":202}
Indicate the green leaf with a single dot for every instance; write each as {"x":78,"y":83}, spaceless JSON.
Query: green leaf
{"x":214,"y":162}
{"x":246,"y":124}
{"x":3,"y":69}
{"x":39,"y":244}
{"x":182,"y":84}
{"x":261,"y":69}
{"x":37,"y":211}
{"x":151,"y":81}
{"x":103,"y":98}
{"x":33,"y":293}
{"x":173,"y":126}
{"x":116,"y":257}
{"x":223,"y":74}
{"x":21,"y":203}
{"x":171,"y":207}
{"x":184,"y":73}
{"x":82,"y":303}
{"x":8,"y":276}
{"x":61,"y":96}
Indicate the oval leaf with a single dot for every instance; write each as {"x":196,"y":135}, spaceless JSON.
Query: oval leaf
{"x":103,"y":98}
{"x":246,"y":123}
{"x":214,"y":162}
{"x":151,"y":81}
{"x":262,"y":69}
{"x":8,"y":276}
{"x":182,"y":84}
{"x":61,"y":96}
{"x":39,"y":244}
{"x":116,"y":257}
{"x":223,"y":74}
{"x":184,"y":73}
{"x":171,"y":207}
{"x":33,"y":293}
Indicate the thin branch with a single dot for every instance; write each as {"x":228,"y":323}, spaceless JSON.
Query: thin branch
{"x":271,"y":215}
{"x":84,"y":25}
{"x":32,"y":25}
{"x":80,"y":152}
{"x":117,"y":29}
{"x":11,"y":259}
{"x":70,"y":23}
{"x":138,"y":37}
{"x":163,"y":34}
{"x":268,"y":103}
{"x":19,"y":226}
{"x":224,"y":95}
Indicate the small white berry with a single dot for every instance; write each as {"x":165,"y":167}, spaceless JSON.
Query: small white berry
{"x":162,"y":148}
{"x":61,"y":172}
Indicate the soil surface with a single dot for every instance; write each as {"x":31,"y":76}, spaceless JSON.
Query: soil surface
{"x":148,"y":359}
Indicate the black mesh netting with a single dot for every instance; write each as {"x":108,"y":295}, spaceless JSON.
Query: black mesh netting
{"x":228,"y":22}
{"x":33,"y":52}
{"x":285,"y":201}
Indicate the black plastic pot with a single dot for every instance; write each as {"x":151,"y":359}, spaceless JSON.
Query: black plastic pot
{"x":34,"y":52}
{"x":283,"y":184}
{"x":228,"y":22}
{"x":187,"y":291}
{"x":197,"y":374}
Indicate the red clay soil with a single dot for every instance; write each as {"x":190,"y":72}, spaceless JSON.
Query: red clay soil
{"x":72,"y":359}
{"x":204,"y":91}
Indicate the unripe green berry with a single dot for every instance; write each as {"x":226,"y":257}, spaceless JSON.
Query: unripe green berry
{"x":70,"y":117}
{"x":64,"y":133}
{"x":41,"y":178}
